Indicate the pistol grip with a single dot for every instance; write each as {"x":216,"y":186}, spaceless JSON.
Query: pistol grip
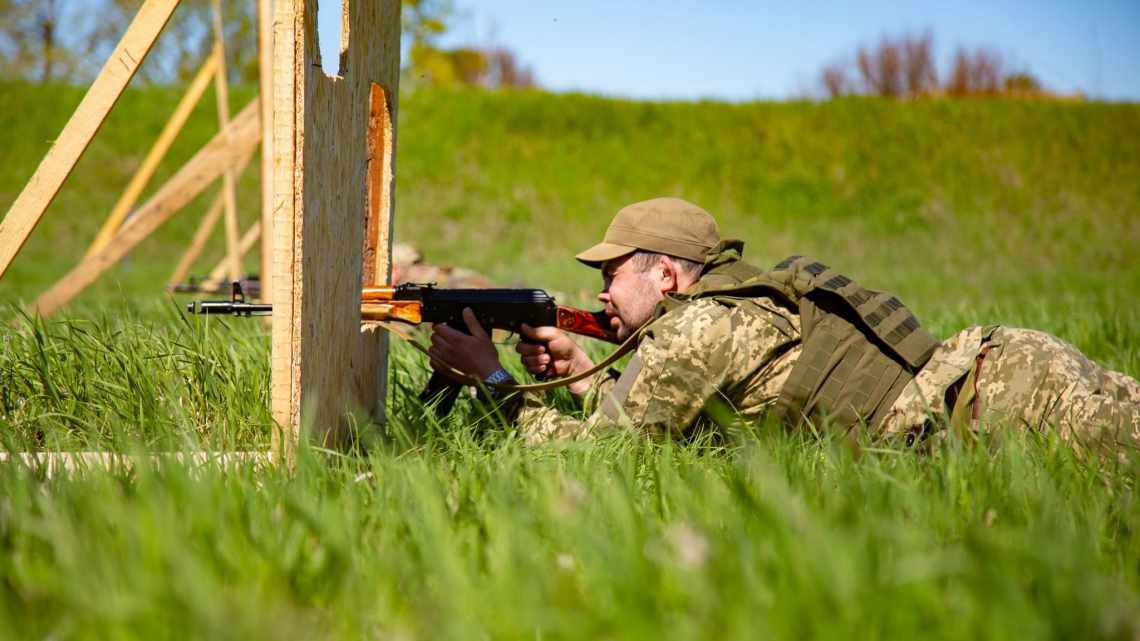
{"x":442,"y":388}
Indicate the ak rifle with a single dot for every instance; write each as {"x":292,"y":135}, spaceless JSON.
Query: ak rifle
{"x":415,"y":303}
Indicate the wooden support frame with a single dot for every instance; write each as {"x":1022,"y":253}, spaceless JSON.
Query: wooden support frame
{"x":229,"y":179}
{"x":56,"y":166}
{"x":57,"y":463}
{"x":324,"y":365}
{"x":224,"y":151}
{"x":54,"y":169}
{"x":265,"y":84}
{"x":201,"y":235}
{"x":157,"y":152}
{"x":325,"y":220}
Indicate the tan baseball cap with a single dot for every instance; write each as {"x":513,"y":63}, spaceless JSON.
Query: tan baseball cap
{"x":664,"y":225}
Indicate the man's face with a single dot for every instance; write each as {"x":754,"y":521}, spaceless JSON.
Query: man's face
{"x":629,"y":295}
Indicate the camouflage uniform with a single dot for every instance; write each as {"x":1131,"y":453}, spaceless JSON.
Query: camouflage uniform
{"x":808,"y":344}
{"x":705,"y":352}
{"x":1006,"y":375}
{"x":408,"y":267}
{"x":708,"y":355}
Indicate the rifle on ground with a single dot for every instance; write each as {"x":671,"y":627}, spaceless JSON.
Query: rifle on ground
{"x":415,"y":303}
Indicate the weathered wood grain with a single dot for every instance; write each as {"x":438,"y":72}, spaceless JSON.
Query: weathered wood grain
{"x":324,"y":365}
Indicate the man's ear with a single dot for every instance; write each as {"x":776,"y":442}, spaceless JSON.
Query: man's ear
{"x":668,"y":282}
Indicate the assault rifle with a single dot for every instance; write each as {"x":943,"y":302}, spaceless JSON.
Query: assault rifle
{"x":415,"y":303}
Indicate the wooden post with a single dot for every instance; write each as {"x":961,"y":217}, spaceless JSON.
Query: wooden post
{"x":324,"y":365}
{"x":56,"y":166}
{"x":207,"y":165}
{"x":229,"y":182}
{"x":149,"y":164}
{"x":265,"y":82}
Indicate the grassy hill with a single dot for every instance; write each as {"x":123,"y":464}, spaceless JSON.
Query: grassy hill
{"x":947,"y":202}
{"x":984,"y":211}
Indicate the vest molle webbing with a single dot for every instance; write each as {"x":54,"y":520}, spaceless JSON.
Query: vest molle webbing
{"x":860,"y":347}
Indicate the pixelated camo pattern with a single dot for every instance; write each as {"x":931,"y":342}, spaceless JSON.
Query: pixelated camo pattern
{"x":739,"y":352}
{"x":1027,"y":378}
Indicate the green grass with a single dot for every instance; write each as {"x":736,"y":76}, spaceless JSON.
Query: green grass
{"x":972,"y":212}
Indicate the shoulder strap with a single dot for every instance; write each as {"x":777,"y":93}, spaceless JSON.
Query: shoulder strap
{"x":622,"y":350}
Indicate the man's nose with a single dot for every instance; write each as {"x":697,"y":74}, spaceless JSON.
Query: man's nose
{"x":604,"y":296}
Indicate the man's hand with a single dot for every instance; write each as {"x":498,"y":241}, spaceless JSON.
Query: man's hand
{"x":549,"y":351}
{"x":474,"y":355}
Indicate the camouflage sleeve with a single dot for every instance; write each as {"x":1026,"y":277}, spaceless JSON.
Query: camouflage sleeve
{"x":537,"y":421}
{"x":702,"y":350}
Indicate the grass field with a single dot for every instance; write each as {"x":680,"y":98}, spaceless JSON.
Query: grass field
{"x":972,"y":212}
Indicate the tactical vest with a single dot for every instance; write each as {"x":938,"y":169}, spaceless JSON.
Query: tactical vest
{"x":860,"y":347}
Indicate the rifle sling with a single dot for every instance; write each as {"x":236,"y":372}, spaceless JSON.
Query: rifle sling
{"x":622,"y":350}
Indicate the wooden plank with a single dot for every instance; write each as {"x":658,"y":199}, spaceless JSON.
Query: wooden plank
{"x":324,"y":365}
{"x":265,"y":83}
{"x":58,"y":463}
{"x":157,"y":152}
{"x":286,"y":113}
{"x":229,"y":182}
{"x":56,"y":166}
{"x":205,"y":167}
{"x":202,"y":234}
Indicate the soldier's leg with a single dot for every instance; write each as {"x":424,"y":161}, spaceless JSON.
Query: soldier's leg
{"x":1038,"y":380}
{"x":1122,"y":387}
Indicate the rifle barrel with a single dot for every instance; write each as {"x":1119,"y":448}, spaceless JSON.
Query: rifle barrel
{"x":415,"y":304}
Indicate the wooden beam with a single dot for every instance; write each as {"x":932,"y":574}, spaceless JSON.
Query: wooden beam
{"x":57,"y":463}
{"x":229,"y":182}
{"x":56,"y":166}
{"x":324,"y":365}
{"x":219,"y":154}
{"x":157,"y":152}
{"x":265,"y":82}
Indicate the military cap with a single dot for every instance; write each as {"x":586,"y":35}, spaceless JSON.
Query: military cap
{"x":663,"y":225}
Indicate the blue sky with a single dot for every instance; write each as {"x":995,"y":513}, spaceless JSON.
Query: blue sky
{"x":746,"y":50}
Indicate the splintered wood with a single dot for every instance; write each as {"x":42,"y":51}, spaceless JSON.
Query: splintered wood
{"x":377,"y":223}
{"x":324,"y":366}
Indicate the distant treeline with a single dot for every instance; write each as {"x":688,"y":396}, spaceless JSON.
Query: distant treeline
{"x":904,"y":67}
{"x":68,"y":41}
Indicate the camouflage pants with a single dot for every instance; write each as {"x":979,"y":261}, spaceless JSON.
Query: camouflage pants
{"x":1035,"y":379}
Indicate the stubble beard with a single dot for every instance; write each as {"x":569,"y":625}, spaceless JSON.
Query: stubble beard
{"x":637,"y":311}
